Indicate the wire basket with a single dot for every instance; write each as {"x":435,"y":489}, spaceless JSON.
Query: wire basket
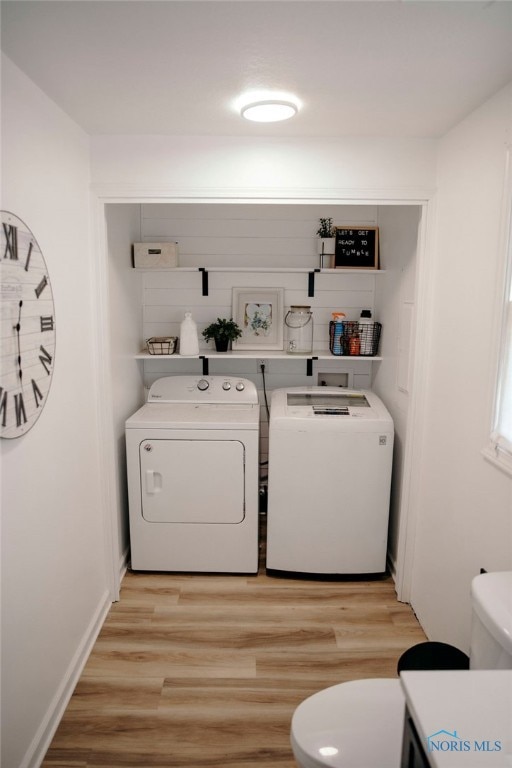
{"x":161,"y":345}
{"x":361,"y":339}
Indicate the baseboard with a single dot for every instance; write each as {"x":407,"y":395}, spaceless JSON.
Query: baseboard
{"x":42,"y":740}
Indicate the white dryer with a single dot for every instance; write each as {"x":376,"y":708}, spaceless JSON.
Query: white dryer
{"x":192,"y":458}
{"x":329,"y":476}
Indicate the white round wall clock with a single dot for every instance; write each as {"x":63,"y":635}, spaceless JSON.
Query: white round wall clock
{"x":28,"y":328}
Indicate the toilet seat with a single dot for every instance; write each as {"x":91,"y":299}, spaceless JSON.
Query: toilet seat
{"x":358,"y":724}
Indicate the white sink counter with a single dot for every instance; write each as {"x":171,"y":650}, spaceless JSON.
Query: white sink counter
{"x":463,"y":718}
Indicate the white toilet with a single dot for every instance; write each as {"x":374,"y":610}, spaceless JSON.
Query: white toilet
{"x":359,"y":724}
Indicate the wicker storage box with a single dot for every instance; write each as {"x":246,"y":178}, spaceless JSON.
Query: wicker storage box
{"x":161,"y":345}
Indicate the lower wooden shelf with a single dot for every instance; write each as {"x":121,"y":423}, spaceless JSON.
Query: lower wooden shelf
{"x":208,"y":355}
{"x":257,"y":354}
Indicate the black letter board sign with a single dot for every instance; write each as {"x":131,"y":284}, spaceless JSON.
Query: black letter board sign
{"x":357,"y":248}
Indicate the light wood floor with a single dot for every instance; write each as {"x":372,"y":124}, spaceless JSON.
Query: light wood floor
{"x":194,"y":671}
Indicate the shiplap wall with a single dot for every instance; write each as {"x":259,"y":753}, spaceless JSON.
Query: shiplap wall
{"x":244,"y":236}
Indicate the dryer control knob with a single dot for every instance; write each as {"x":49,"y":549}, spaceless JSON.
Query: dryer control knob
{"x":203,"y":384}
{"x":240,"y":386}
{"x":226,"y":385}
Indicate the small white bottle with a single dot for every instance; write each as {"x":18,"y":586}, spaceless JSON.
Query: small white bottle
{"x":366,"y":326}
{"x":189,"y":341}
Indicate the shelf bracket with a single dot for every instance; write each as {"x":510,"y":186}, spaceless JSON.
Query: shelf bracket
{"x":311,"y":282}
{"x":309,"y":365}
{"x":206,"y":368}
{"x":204,"y":275}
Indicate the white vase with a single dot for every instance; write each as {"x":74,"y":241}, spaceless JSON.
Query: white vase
{"x":326,"y":246}
{"x":189,"y":342}
{"x":326,"y":249}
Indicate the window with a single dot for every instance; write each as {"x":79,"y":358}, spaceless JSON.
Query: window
{"x":500,"y":450}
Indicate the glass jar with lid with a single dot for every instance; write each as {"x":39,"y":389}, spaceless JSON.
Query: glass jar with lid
{"x":299,"y":330}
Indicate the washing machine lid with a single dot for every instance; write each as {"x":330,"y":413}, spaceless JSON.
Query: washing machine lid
{"x":329,"y":408}
{"x":337,"y":403}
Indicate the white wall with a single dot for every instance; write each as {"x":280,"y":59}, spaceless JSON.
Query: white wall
{"x":464,"y":503}
{"x":54,"y":586}
{"x":191,"y":166}
{"x":124,"y":321}
{"x":395,"y":300}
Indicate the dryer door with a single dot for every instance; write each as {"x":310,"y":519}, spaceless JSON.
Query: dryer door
{"x":192,"y":481}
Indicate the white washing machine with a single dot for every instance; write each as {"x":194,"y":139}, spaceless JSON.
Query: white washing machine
{"x":329,"y":477}
{"x":192,"y":457}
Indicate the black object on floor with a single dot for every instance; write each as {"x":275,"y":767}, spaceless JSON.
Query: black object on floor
{"x":432,"y":655}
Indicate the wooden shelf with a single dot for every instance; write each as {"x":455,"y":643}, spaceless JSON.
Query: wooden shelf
{"x":206,"y":355}
{"x":311,"y":272}
{"x":256,"y":355}
{"x":284,"y":270}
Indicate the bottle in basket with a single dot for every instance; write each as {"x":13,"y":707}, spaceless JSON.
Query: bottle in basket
{"x":336,"y":330}
{"x":366,"y":328}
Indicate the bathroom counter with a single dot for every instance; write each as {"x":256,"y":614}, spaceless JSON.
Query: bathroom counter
{"x":460,"y":718}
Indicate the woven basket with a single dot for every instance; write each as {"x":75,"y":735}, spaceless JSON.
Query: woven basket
{"x":161,"y":345}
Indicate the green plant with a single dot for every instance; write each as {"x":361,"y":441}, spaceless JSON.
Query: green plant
{"x":326,"y":228}
{"x":222,"y":329}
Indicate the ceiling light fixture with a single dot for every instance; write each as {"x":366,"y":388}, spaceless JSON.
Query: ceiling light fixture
{"x":269,"y":110}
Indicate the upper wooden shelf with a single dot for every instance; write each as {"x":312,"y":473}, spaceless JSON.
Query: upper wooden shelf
{"x":311,"y":272}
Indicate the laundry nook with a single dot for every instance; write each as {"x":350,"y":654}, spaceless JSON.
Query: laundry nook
{"x":256,"y":384}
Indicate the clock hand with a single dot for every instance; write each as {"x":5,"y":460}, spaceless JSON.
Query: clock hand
{"x":17,"y":328}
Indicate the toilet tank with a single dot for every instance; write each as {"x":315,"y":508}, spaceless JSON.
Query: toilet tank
{"x":491,"y":625}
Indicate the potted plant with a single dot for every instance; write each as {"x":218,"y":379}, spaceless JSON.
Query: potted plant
{"x":222,"y":331}
{"x":327,"y":234}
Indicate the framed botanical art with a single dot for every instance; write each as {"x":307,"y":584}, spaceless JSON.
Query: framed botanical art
{"x":259,"y":313}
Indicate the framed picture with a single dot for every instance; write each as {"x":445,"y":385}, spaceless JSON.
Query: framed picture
{"x":259,"y":313}
{"x":356,"y":248}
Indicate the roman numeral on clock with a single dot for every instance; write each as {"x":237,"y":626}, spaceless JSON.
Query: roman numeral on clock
{"x":47,"y":323}
{"x":38,"y":395}
{"x":19,"y":407}
{"x":29,"y":254}
{"x":11,"y":241}
{"x":42,"y":285}
{"x":46,"y":359}
{"x":3,"y":405}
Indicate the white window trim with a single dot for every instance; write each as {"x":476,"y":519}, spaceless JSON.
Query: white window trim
{"x":499,"y":450}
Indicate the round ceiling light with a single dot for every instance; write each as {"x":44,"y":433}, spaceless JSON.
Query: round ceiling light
{"x":269,"y":110}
